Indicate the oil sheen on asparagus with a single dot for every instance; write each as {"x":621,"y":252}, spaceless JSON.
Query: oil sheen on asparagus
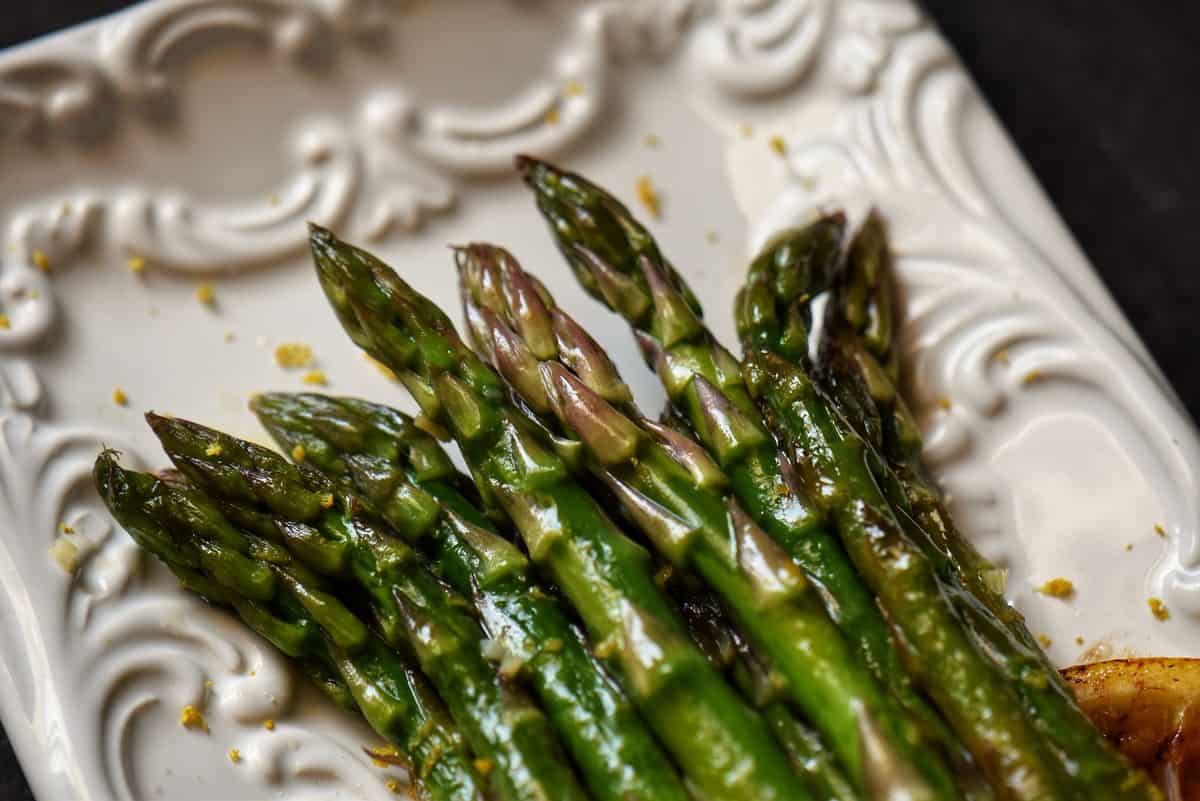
{"x":400,"y":471}
{"x":723,"y":748}
{"x":679,"y":499}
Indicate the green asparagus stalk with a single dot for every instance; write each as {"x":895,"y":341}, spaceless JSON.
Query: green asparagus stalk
{"x":729,"y":653}
{"x":860,"y":366}
{"x":608,"y":250}
{"x":218,"y":562}
{"x":617,"y":261}
{"x":379,"y":453}
{"x":722,"y":747}
{"x":678,"y":498}
{"x":412,"y":608}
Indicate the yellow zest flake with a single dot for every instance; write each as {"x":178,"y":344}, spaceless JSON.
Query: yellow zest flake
{"x":1032,"y":377}
{"x":298,"y":453}
{"x":1001,"y":356}
{"x":1158,"y":609}
{"x":1044,"y":641}
{"x":649,"y":196}
{"x":273,"y":200}
{"x":327,"y":500}
{"x":553,"y":645}
{"x":119,"y":397}
{"x":652,"y":140}
{"x":269,"y":724}
{"x":136,"y":264}
{"x":1129,"y":546}
{"x":65,"y":554}
{"x":41,"y":261}
{"x":1159,"y":530}
{"x":206,"y":294}
{"x":746,"y":130}
{"x":393,"y":786}
{"x":191,"y":718}
{"x":573,"y":89}
{"x":5,"y":323}
{"x":778,"y":144}
{"x":713,"y":237}
{"x":235,"y":756}
{"x":552,"y":116}
{"x":66,"y":528}
{"x":943,"y":403}
{"x":214,"y":450}
{"x":1058,"y":588}
{"x":606,"y":648}
{"x":484,"y":766}
{"x":293,"y":354}
{"x":315,"y":377}
{"x":1079,"y":640}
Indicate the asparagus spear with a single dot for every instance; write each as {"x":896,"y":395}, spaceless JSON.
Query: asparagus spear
{"x":211,"y":558}
{"x":608,"y":250}
{"x":723,"y":749}
{"x":676,"y":495}
{"x":729,"y":653}
{"x":379,"y":453}
{"x":615,"y":257}
{"x":412,"y":608}
{"x":860,"y":365}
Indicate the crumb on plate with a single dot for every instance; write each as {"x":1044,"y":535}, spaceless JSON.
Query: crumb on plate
{"x":1159,"y":530}
{"x":778,"y":144}
{"x":206,"y":294}
{"x":41,"y":261}
{"x":5,"y":323}
{"x":192,"y":718}
{"x":652,"y":140}
{"x":649,"y":196}
{"x":119,"y":397}
{"x":269,"y":724}
{"x":65,"y":554}
{"x":293,"y":354}
{"x":136,"y":264}
{"x":1058,"y":588}
{"x":1158,"y":609}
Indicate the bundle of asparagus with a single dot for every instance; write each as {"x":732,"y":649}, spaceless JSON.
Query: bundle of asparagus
{"x":760,"y":596}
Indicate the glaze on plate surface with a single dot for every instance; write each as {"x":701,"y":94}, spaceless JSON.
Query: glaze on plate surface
{"x":195,"y":138}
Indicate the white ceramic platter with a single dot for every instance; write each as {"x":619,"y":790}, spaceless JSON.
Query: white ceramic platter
{"x":197,"y":136}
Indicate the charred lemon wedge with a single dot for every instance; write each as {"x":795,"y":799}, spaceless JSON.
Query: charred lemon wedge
{"x":1151,"y":709}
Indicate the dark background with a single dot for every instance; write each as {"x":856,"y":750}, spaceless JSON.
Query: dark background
{"x":1103,"y":98}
